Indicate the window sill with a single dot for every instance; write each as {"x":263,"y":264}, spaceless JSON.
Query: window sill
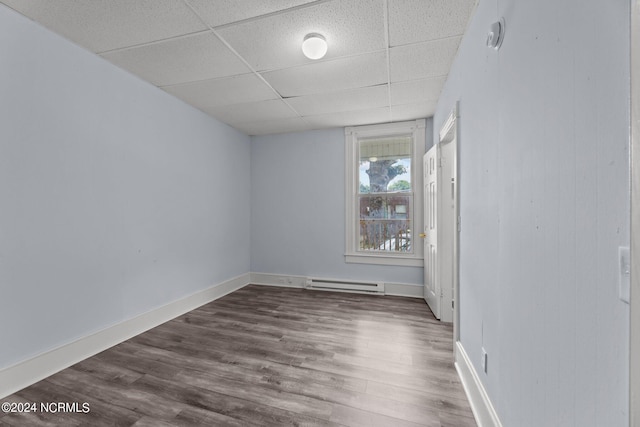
{"x":384,"y":260}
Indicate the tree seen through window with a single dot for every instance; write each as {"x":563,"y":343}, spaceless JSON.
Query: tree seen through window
{"x":385,"y":194}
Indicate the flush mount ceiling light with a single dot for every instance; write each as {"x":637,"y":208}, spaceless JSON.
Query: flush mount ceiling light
{"x":314,"y":46}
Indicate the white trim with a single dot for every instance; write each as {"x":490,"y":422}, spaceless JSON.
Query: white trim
{"x":30,"y":371}
{"x":289,"y":281}
{"x":634,"y":300}
{"x":448,"y":129}
{"x":456,"y":243}
{"x":417,"y":127}
{"x":450,"y":134}
{"x":408,"y":290}
{"x":281,"y":280}
{"x":481,"y":405}
{"x":401,"y":261}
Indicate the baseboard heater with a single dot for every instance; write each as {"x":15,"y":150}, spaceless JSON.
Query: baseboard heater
{"x":344,"y":285}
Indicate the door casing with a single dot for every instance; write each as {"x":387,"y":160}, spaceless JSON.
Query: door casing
{"x":634,"y":316}
{"x":445,"y":152}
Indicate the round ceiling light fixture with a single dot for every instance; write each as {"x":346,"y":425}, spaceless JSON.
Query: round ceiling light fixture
{"x":314,"y":46}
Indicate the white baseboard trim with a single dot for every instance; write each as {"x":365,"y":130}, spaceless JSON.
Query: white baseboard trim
{"x":404,"y":290}
{"x":289,"y":281}
{"x":30,"y":371}
{"x":483,"y":410}
{"x":282,"y":280}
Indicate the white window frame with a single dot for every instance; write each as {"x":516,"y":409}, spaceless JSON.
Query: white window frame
{"x":352,"y":135}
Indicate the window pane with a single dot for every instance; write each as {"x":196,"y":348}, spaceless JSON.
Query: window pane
{"x":385,"y":164}
{"x":385,"y":223}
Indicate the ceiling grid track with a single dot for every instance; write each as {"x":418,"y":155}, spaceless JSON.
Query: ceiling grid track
{"x":385,"y":9}
{"x":268,"y":15}
{"x":241,"y":58}
{"x":154,"y":42}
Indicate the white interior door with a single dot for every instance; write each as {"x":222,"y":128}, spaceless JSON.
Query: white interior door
{"x":430,"y":233}
{"x":441,"y":224}
{"x":447,"y":228}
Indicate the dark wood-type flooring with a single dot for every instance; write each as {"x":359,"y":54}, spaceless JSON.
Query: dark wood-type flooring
{"x":266,"y":356}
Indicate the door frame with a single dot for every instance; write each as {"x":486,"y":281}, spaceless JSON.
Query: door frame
{"x":634,"y":300}
{"x":450,"y":134}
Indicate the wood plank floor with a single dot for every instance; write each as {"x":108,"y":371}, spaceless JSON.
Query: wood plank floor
{"x":266,"y":356}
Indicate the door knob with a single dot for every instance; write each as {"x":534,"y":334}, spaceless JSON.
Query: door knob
{"x":423,"y":235}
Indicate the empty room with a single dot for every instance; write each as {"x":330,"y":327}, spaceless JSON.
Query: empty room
{"x":319,"y":212}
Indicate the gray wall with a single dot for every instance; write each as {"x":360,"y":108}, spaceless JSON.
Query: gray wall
{"x":297,"y":209}
{"x":115,"y":198}
{"x":545,"y":204}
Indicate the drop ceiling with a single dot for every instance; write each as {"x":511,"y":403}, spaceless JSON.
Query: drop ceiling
{"x":241,"y":60}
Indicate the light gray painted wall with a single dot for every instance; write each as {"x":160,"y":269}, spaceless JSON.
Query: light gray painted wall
{"x":298,"y":205}
{"x":115,"y":198}
{"x":545,"y":204}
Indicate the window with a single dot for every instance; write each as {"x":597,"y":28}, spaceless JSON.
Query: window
{"x":384,"y":193}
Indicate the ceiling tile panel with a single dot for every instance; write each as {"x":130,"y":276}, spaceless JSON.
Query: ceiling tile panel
{"x":358,"y":99}
{"x":223,"y":91}
{"x":339,"y":74}
{"x":252,"y":112}
{"x":274,"y":42}
{"x":413,"y":21}
{"x":374,"y":71}
{"x":413,"y":91}
{"x":220,"y":12}
{"x":181,"y":60}
{"x":418,"y":61}
{"x":294,"y":124}
{"x":105,"y":25}
{"x":351,"y":118}
{"x":413,"y":111}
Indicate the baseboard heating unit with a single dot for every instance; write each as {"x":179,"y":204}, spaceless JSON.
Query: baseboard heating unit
{"x":344,"y":285}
